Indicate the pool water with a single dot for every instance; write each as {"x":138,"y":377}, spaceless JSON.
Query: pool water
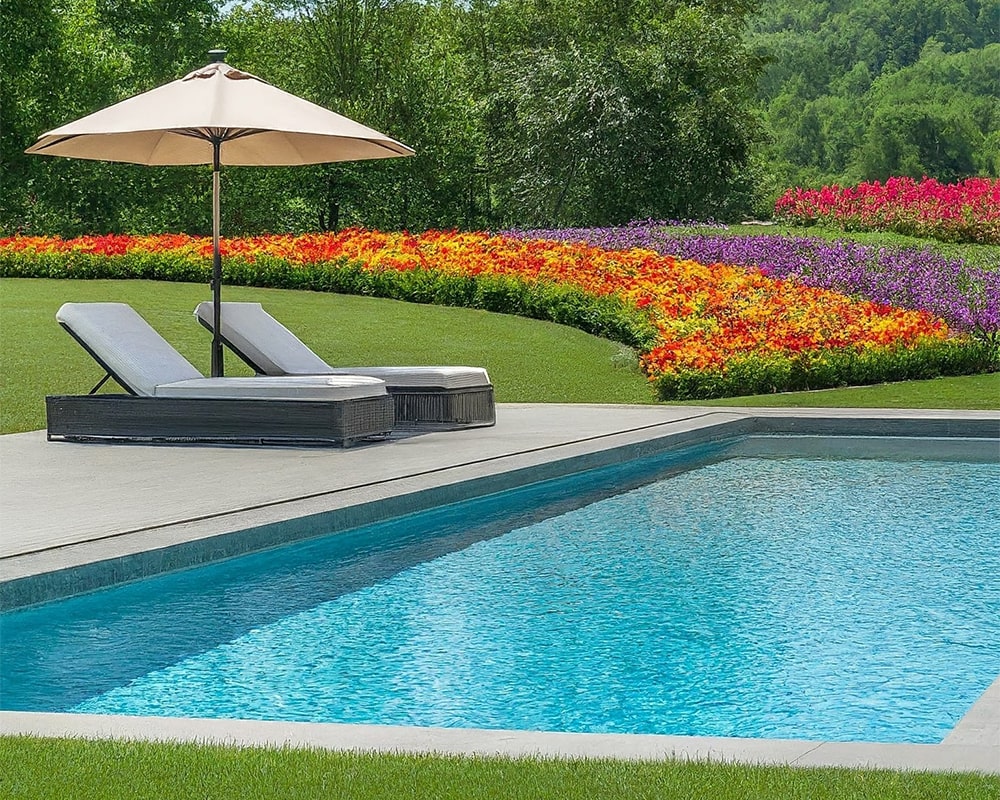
{"x":806,"y":598}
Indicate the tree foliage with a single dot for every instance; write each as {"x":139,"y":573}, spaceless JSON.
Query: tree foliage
{"x":521,"y":111}
{"x":62,"y":60}
{"x":651,"y":119}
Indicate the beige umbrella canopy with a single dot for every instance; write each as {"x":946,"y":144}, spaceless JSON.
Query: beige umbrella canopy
{"x":217,"y":115}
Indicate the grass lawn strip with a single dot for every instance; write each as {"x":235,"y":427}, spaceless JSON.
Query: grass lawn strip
{"x":122,"y":770}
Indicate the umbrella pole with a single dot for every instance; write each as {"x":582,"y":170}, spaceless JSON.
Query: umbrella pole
{"x":217,"y":368}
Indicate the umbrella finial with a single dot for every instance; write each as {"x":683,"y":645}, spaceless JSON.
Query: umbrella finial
{"x":216,"y":56}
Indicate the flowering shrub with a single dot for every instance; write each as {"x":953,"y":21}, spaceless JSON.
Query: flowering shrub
{"x":968,"y":211}
{"x":966,"y":297}
{"x":702,"y":330}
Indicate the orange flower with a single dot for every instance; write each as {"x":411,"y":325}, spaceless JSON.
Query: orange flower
{"x":706,"y":315}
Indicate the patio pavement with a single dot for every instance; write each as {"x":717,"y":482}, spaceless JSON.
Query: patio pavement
{"x":80,"y":515}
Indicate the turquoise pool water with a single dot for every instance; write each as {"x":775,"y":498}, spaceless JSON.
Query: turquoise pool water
{"x":809,"y":598}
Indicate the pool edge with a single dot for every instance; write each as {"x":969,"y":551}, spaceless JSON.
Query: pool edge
{"x":37,"y":577}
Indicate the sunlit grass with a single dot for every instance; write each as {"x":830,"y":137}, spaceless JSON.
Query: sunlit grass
{"x":974,"y":392}
{"x":528,"y":360}
{"x":117,"y":770}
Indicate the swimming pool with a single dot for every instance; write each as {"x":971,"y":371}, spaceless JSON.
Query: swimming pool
{"x":733,"y":625}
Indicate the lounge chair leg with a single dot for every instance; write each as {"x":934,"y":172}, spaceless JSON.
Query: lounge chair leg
{"x":100,"y":383}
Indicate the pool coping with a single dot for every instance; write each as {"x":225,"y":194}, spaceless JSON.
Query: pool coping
{"x":124,"y":553}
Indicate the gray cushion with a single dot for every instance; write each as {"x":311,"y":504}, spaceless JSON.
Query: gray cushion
{"x":151,"y":367}
{"x":298,"y":387}
{"x":271,"y":348}
{"x":126,"y":343}
{"x":422,"y":377}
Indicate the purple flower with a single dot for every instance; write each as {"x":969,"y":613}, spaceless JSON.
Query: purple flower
{"x":966,"y":297}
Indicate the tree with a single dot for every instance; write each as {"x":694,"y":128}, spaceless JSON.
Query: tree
{"x":933,"y":118}
{"x":597,"y":125}
{"x":62,"y":61}
{"x":861,"y":90}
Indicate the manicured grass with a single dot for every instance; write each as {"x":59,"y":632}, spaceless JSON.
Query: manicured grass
{"x":528,"y":360}
{"x":31,"y":768}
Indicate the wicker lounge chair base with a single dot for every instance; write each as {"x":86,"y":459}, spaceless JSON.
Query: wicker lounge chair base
{"x":473,"y":407}
{"x":112,"y":417}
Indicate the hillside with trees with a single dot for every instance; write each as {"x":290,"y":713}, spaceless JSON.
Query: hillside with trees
{"x":859,"y":90}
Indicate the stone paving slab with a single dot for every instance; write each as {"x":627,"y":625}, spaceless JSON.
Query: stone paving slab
{"x":60,"y":493}
{"x":56,"y":493}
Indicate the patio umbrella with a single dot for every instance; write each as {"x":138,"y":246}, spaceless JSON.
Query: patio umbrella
{"x":217,"y":115}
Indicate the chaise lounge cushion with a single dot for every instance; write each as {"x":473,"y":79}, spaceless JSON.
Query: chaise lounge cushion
{"x":147,"y":365}
{"x":421,"y":377}
{"x":126,"y":345}
{"x":270,"y":348}
{"x":297,"y":387}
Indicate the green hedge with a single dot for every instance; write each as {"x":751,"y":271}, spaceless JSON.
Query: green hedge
{"x":830,"y":369}
{"x":606,"y":316}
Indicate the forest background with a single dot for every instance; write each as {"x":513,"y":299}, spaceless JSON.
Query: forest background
{"x":529,"y":113}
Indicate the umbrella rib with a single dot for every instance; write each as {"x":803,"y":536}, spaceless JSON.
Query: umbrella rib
{"x":55,"y":142}
{"x":220,"y":134}
{"x":388,"y":147}
{"x":240,"y":134}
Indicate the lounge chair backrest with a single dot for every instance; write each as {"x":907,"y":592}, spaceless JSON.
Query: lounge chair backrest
{"x":263,"y":342}
{"x":125,"y":344}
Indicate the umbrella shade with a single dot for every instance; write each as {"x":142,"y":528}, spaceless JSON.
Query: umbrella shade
{"x":258,"y":124}
{"x":217,"y":115}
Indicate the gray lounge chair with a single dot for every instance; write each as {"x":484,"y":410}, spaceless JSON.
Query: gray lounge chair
{"x":451,"y":397}
{"x":170,"y":400}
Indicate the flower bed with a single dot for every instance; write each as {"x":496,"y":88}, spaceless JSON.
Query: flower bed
{"x":701,"y":330}
{"x":967,"y":298}
{"x":968,"y":211}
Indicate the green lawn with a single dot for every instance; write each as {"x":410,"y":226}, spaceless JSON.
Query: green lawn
{"x":99,"y":770}
{"x":528,"y":361}
{"x":967,"y":392}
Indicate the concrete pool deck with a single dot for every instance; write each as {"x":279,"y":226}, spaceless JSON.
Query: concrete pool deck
{"x":81,"y":515}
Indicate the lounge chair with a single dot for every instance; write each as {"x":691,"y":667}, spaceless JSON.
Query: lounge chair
{"x":170,"y":400}
{"x":451,"y":397}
